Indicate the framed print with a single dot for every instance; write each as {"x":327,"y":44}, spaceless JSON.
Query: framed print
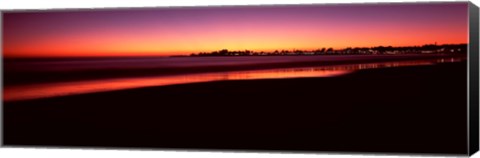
{"x":362,"y":78}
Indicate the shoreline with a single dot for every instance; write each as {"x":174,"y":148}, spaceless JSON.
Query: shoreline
{"x":18,"y":78}
{"x":351,"y":112}
{"x":65,"y":88}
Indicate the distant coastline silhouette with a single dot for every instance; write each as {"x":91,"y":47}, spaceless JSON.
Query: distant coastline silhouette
{"x":378,"y":50}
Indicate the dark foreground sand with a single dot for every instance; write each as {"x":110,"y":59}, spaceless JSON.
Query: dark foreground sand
{"x":405,"y":109}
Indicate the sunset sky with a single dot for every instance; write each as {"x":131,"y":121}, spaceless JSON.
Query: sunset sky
{"x":176,"y":31}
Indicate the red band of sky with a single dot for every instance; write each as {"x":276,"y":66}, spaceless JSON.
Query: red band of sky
{"x":176,"y":31}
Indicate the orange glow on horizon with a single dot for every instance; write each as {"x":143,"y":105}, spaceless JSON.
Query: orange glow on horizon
{"x":182,"y":32}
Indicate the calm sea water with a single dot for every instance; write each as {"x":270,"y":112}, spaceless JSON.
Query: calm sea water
{"x":86,"y":64}
{"x":46,"y":90}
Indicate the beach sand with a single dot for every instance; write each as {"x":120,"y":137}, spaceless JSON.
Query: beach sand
{"x":405,"y":109}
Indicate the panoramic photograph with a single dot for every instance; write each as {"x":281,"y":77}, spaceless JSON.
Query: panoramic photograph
{"x":379,"y":77}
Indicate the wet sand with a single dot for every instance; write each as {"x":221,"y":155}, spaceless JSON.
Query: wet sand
{"x":419,"y":109}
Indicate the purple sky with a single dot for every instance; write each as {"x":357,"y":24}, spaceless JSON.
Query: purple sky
{"x":168,"y":31}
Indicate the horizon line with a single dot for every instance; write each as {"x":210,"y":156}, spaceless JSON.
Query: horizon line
{"x":196,"y":52}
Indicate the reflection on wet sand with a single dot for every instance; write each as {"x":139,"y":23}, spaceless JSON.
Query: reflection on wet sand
{"x":45,"y":90}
